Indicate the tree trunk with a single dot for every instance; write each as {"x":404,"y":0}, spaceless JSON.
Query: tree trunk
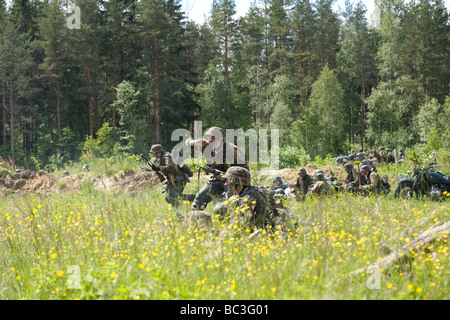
{"x":4,"y":113}
{"x":363,"y":104}
{"x":11,"y":113}
{"x":400,"y":256}
{"x":88,"y":87}
{"x":156,"y":110}
{"x":58,"y":110}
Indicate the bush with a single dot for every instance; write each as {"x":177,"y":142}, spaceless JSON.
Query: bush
{"x":291,"y":157}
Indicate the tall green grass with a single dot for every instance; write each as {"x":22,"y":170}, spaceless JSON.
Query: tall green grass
{"x":93,"y":245}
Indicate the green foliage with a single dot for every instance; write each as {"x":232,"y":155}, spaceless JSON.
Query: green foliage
{"x":293,"y":157}
{"x":326,"y":118}
{"x":103,"y":145}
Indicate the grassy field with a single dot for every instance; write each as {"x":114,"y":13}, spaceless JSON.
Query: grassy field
{"x":95,"y":245}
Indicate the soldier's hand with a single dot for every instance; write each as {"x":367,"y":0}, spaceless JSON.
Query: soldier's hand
{"x":156,"y":168}
{"x":220,"y":177}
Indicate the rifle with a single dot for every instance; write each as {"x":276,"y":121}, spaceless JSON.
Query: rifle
{"x":214,"y":172}
{"x":159,"y":174}
{"x":359,"y":176}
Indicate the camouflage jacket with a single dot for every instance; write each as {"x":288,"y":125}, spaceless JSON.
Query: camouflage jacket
{"x":168,"y":167}
{"x":320,"y":188}
{"x":304,"y":184}
{"x":252,"y":207}
{"x":373,"y":182}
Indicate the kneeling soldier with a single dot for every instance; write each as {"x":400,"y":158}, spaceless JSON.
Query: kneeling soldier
{"x":371,"y":181}
{"x":175,"y":180}
{"x":320,"y":187}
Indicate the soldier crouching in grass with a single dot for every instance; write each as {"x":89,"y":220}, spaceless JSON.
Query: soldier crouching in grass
{"x":371,"y":181}
{"x":215,"y":187}
{"x":175,"y":180}
{"x":303,"y":183}
{"x":250,"y":205}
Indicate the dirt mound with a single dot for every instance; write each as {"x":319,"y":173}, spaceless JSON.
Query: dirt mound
{"x":43,"y":183}
{"x":290,"y":175}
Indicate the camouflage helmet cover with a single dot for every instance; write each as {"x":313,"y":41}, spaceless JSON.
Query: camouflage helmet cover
{"x":156,"y":148}
{"x":301,"y":170}
{"x":348,"y":166}
{"x":365,"y":168}
{"x":277,"y":179}
{"x":360,"y":155}
{"x":319,"y":175}
{"x":238,"y":175}
{"x":366,"y":162}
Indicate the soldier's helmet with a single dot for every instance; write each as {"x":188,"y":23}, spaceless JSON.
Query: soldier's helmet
{"x":19,"y":171}
{"x":365,"y":168}
{"x":366,"y":162}
{"x":348,"y":166}
{"x":85,"y":167}
{"x":156,"y":148}
{"x":319,"y":175}
{"x":277,"y":179}
{"x":389,"y":150}
{"x":360,"y":155}
{"x":238,"y":175}
{"x":381,"y":148}
{"x":301,"y":170}
{"x":216,"y":132}
{"x":65,"y":173}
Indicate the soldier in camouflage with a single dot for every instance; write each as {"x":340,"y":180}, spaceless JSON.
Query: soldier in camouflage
{"x":304,"y":182}
{"x":215,"y":187}
{"x":320,"y":187}
{"x":371,"y":181}
{"x":352,"y":180}
{"x":252,"y":206}
{"x":175,"y":181}
{"x":279,"y":186}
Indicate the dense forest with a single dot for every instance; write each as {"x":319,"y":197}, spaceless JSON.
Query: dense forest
{"x":137,"y":70}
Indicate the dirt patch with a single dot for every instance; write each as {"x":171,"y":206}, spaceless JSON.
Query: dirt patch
{"x":290,"y":175}
{"x":43,"y":183}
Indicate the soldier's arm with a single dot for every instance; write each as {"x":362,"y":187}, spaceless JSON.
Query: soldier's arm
{"x":191,"y":143}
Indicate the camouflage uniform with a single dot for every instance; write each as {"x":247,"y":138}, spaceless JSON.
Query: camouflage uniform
{"x":372,"y":180}
{"x":281,"y":188}
{"x":215,"y":187}
{"x":320,"y":187}
{"x":382,"y":154}
{"x":253,"y":207}
{"x":352,"y":155}
{"x":352,"y":180}
{"x":302,"y":186}
{"x":175,"y":181}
